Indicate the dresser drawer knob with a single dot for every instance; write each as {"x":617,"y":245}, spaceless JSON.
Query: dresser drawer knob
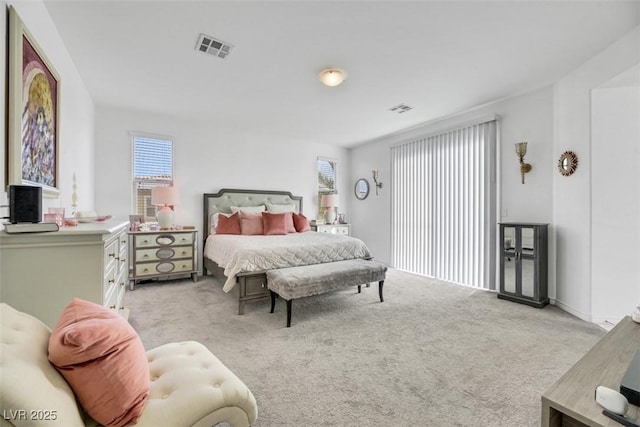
{"x":145,"y":256}
{"x":113,"y":255}
{"x":111,"y":281}
{"x":112,"y":307}
{"x":146,"y":270}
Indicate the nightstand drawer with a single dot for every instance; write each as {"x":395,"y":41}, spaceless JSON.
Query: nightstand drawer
{"x":168,"y":253}
{"x":163,"y":239}
{"x":164,"y":267}
{"x":343,"y":229}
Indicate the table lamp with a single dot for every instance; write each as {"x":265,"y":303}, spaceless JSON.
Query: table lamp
{"x":165,"y":197}
{"x":329,"y":201}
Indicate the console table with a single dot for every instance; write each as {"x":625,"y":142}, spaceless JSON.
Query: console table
{"x":571,"y":400}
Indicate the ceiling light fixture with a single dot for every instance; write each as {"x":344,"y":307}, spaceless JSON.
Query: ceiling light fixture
{"x":332,"y":76}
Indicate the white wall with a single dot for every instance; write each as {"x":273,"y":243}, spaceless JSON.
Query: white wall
{"x":76,"y":138}
{"x":615,"y":225}
{"x":207,"y":158}
{"x":572,"y":196}
{"x":523,"y":118}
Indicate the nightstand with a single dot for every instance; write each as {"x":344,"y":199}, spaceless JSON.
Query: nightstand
{"x":156,"y":254}
{"x":344,"y":229}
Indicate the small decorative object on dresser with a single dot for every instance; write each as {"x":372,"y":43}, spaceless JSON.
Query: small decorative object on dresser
{"x":163,"y":253}
{"x":344,"y":229}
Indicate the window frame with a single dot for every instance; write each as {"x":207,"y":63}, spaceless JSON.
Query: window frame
{"x":320,"y":190}
{"x":145,"y":209}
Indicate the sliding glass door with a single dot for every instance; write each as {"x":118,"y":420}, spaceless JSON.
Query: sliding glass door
{"x":444,"y":206}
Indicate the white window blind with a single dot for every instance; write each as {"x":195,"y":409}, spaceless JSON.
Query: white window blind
{"x":327,"y":175}
{"x":443,"y":206}
{"x":152,"y":167}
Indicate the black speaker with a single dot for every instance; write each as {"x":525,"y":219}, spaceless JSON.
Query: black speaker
{"x":25,"y":204}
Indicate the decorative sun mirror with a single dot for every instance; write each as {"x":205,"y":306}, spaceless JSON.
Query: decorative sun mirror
{"x":568,"y":163}
{"x":361,"y":189}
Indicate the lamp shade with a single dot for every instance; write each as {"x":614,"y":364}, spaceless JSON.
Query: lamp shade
{"x":164,"y":196}
{"x":332,"y":76}
{"x":329,"y":201}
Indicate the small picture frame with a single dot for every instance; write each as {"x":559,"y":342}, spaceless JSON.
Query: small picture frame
{"x":341,"y":219}
{"x":136,"y":219}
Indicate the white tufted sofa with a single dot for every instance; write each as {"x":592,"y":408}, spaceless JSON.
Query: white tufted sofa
{"x":189,"y":385}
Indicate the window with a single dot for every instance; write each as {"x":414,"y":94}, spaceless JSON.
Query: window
{"x":326,"y":180}
{"x":152,"y":167}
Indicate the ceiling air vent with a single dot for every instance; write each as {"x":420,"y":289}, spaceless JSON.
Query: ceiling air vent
{"x":212,"y":46}
{"x":400,"y":108}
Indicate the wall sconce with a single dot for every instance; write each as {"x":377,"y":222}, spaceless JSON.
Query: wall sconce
{"x":375,"y":180}
{"x":521,"y":151}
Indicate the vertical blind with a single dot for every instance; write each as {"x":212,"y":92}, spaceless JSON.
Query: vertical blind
{"x":443,"y":206}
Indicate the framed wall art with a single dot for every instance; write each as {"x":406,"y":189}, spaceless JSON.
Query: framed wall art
{"x":34,"y":106}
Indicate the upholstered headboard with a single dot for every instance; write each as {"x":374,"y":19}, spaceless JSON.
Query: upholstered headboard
{"x":225,"y":198}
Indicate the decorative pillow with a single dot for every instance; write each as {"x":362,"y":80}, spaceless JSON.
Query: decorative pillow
{"x":280,"y":208}
{"x":228,"y":224}
{"x":284,"y":208}
{"x":301,"y":222}
{"x":248,"y":209}
{"x":103,"y":360}
{"x":251,"y":223}
{"x":274,"y":223}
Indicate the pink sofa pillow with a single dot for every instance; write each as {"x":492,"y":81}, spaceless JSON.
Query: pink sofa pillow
{"x":274,"y":223}
{"x":103,"y":360}
{"x":301,"y":223}
{"x":251,"y":223}
{"x":228,"y":224}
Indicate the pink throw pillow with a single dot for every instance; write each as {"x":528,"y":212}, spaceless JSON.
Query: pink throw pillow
{"x":301,"y":223}
{"x":251,"y":223}
{"x":103,"y":360}
{"x":274,"y":223}
{"x":288,"y":222}
{"x":228,"y":224}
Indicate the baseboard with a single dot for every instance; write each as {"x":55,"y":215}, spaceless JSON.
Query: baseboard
{"x":565,"y":307}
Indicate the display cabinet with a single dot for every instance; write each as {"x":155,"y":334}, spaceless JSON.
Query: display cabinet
{"x":523,"y":263}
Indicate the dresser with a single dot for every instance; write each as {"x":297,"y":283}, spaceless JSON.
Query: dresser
{"x":41,"y":272}
{"x":523,"y":263}
{"x":162,"y":253}
{"x":332,"y":228}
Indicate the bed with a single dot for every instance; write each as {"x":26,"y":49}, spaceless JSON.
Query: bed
{"x":241,"y":262}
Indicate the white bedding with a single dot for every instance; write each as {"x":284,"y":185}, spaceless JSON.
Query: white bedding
{"x":238,"y":254}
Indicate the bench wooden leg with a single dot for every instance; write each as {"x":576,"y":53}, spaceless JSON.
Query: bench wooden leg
{"x":359,"y":288}
{"x":289,"y":313}
{"x":380,"y":283}
{"x":273,"y":301}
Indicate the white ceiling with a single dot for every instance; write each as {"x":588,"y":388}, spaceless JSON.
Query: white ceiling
{"x":437,"y":57}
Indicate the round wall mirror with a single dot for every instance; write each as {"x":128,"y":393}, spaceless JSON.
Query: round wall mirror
{"x":361,"y":189}
{"x":567,"y":163}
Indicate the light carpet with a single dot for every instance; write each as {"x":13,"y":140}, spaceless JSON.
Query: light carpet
{"x":432,"y":354}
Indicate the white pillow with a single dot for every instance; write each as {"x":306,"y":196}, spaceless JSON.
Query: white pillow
{"x":248,"y":209}
{"x":280,"y":208}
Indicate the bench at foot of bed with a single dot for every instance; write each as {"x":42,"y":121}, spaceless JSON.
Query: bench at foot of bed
{"x":303,"y":281}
